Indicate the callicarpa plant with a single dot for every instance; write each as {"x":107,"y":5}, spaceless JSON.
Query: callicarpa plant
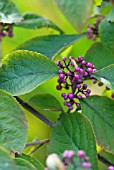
{"x":57,"y":88}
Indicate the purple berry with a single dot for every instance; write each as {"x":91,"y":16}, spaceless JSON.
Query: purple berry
{"x":63,"y":81}
{"x":94,"y":70}
{"x":85,"y":86}
{"x":59,"y":81}
{"x":10,"y":35}
{"x":76,"y":76}
{"x":78,"y":86}
{"x":86,"y":165}
{"x":69,"y":73}
{"x":86,"y":158}
{"x":72,"y":81}
{"x":90,"y":70}
{"x":68,"y":104}
{"x":81,"y":154}
{"x":80,"y":58}
{"x":65,"y":154}
{"x":84,"y":63}
{"x":87,"y":95}
{"x":77,"y":60}
{"x":64,"y":58}
{"x":3,"y":33}
{"x":90,"y":65}
{"x":89,"y":26}
{"x":85,"y":74}
{"x":71,"y":96}
{"x":89,"y":30}
{"x":80,"y":81}
{"x":88,"y":91}
{"x":94,"y":38}
{"x":61,"y":76}
{"x":94,"y":81}
{"x":63,"y":94}
{"x":65,"y":97}
{"x":57,"y":62}
{"x":70,"y":108}
{"x":79,"y":97}
{"x":81,"y":71}
{"x":111,"y":168}
{"x":71,"y":58}
{"x":71,"y":154}
{"x":112,"y":95}
{"x":60,"y":71}
{"x":58,"y":87}
{"x":77,"y":69}
{"x":78,"y":104}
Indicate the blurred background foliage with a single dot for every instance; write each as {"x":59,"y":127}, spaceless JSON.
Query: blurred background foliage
{"x":37,"y":129}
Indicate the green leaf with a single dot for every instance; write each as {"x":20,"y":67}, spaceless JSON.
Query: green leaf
{"x":76,"y":11}
{"x":100,"y":111}
{"x":9,"y":12}
{"x":106,"y":76}
{"x":13,"y":124}
{"x":33,"y":161}
{"x":6,"y":162}
{"x":106,"y":33}
{"x":99,"y":56}
{"x":110,"y":17}
{"x":22,"y":164}
{"x":45,"y":102}
{"x":51,"y":44}
{"x":35,"y":21}
{"x":22,"y":71}
{"x":73,"y":132}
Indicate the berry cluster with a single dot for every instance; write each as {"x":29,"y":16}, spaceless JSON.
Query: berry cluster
{"x":6,"y":30}
{"x":92,"y":31}
{"x":71,"y":76}
{"x":53,"y":162}
{"x":68,"y":157}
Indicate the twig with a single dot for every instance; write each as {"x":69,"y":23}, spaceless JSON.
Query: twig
{"x":35,"y":149}
{"x":34,"y":112}
{"x":37,"y":142}
{"x":104,"y":160}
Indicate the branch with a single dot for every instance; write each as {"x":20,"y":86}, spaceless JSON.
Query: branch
{"x":104,"y":160}
{"x":34,"y":112}
{"x":37,"y":142}
{"x":35,"y":149}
